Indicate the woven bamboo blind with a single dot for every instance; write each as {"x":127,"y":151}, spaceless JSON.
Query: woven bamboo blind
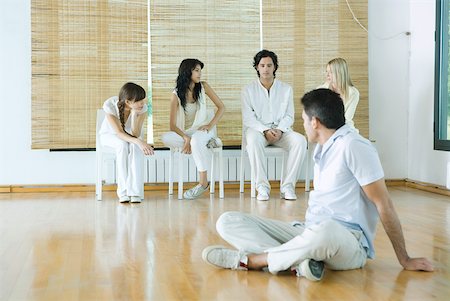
{"x":225,"y":35}
{"x":306,"y":35}
{"x":82,"y":53}
{"x":222,"y":34}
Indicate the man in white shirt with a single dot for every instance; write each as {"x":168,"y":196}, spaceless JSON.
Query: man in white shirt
{"x":268,"y":116}
{"x":349,"y":195}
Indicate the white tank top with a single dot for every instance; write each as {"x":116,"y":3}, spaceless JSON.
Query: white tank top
{"x":190,"y":110}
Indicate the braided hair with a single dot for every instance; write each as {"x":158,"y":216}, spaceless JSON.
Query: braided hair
{"x":184,"y":80}
{"x":132,"y":92}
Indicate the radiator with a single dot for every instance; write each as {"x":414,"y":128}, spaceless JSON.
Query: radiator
{"x":157,"y":168}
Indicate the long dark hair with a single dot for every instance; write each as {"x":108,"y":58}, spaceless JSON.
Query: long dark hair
{"x":184,"y":79}
{"x":131,"y":92}
{"x":265,"y":53}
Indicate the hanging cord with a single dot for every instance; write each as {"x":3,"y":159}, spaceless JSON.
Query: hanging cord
{"x":407,"y":33}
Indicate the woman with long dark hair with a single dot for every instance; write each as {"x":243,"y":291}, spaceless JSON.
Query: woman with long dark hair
{"x":190,"y":124}
{"x":122,"y":130}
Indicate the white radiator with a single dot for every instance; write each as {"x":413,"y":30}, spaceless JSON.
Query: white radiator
{"x":157,"y":168}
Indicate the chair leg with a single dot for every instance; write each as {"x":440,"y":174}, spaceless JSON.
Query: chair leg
{"x":241,"y":171}
{"x":171,"y":172}
{"x":221,"y":188}
{"x":253,"y":184}
{"x":98,"y":183}
{"x":283,"y":163}
{"x":212,"y":180}
{"x":307,"y":171}
{"x":180,"y":175}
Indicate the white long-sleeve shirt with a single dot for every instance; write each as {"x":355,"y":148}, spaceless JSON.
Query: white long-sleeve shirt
{"x":263,"y":110}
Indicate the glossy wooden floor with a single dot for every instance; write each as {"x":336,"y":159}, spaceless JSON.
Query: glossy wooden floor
{"x":67,"y":246}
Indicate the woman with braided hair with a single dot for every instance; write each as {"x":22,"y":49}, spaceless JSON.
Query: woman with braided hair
{"x":122,"y":130}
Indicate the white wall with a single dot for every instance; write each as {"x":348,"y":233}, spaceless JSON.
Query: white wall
{"x":424,"y":163}
{"x":388,"y":83}
{"x":18,"y":163}
{"x":400,"y":92}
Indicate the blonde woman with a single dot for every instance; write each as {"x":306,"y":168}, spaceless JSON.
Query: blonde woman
{"x":338,"y":80}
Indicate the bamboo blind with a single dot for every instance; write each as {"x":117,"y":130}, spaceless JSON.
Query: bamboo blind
{"x":306,"y":35}
{"x":82,"y":53}
{"x":224,"y":35}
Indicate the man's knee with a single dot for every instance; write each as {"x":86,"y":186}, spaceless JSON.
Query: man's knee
{"x":228,"y":220}
{"x":298,"y":140}
{"x":325,"y":232}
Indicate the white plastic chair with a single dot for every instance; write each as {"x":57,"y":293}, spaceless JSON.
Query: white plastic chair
{"x":274,"y":150}
{"x":217,"y":154}
{"x":101,"y":153}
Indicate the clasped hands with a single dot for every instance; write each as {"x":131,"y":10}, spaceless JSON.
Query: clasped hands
{"x":273,"y":135}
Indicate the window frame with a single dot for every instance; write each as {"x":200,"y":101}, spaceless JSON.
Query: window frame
{"x":441,"y":95}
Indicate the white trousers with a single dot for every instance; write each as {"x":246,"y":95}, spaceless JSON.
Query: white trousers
{"x":292,"y":142}
{"x":199,"y":140}
{"x":287,"y":245}
{"x":129,"y":166}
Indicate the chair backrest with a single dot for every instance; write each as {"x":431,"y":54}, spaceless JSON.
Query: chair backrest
{"x":100,"y":118}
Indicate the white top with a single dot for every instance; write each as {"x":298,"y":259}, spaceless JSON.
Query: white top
{"x":201,"y":114}
{"x":350,"y":103}
{"x":343,"y":164}
{"x":190,"y":110}
{"x":110,"y":107}
{"x":263,"y":110}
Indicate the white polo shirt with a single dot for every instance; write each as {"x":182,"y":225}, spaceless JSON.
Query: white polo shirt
{"x":343,"y":164}
{"x":263,"y":110}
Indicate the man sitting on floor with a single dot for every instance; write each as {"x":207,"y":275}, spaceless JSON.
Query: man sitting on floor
{"x":349,"y":195}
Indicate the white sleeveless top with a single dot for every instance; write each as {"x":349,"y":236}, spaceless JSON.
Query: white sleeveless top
{"x":189,"y":114}
{"x":201,"y":116}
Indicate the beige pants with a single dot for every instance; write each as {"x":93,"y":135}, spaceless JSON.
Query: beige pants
{"x":292,"y":142}
{"x":287,"y":245}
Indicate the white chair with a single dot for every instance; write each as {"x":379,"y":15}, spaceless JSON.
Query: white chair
{"x":269,"y":150}
{"x":101,"y":153}
{"x":217,"y":154}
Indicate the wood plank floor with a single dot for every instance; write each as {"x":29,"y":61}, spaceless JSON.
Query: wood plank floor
{"x":67,"y":246}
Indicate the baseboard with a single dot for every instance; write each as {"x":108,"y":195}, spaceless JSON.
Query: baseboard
{"x":227,"y":185}
{"x":427,"y":187}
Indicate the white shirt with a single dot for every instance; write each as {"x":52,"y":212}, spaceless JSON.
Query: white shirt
{"x":200,"y":117}
{"x":110,"y":107}
{"x":343,"y":164}
{"x":263,"y":110}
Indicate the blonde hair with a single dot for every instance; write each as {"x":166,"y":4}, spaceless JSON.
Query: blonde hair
{"x":341,"y":76}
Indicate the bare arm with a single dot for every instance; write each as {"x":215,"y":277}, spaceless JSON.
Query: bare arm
{"x":173,"y":124}
{"x":115,"y":124}
{"x":378,"y":194}
{"x":138,"y":122}
{"x":219,"y":104}
{"x":350,"y":105}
